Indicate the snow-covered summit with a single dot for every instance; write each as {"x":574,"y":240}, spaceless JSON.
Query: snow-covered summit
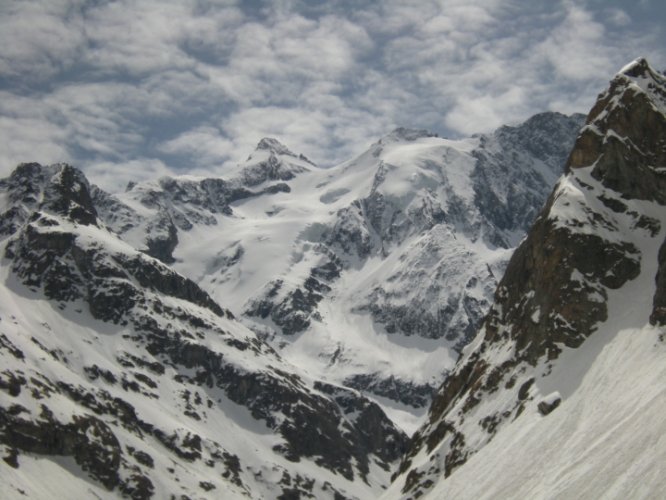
{"x":275,"y":147}
{"x":640,"y":68}
{"x":271,"y":161}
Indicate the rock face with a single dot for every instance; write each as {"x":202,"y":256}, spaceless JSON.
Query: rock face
{"x":112,"y":358}
{"x":273,"y":161}
{"x":594,"y":243}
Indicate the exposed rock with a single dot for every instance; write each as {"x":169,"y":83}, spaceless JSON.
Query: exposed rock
{"x":548,"y":405}
{"x":417,"y":396}
{"x":292,"y":309}
{"x":87,"y":439}
{"x":554,"y":293}
{"x":658,"y":316}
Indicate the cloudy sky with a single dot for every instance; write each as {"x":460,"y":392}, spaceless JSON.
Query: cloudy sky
{"x":133,"y":89}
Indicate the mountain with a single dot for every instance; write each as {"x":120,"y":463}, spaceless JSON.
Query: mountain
{"x":561,"y":394}
{"x":121,"y":375}
{"x":274,"y":332}
{"x":322,"y":263}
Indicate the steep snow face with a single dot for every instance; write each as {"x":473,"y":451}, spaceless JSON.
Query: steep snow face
{"x":602,"y":441}
{"x":357,"y":271}
{"x":121,"y":377}
{"x":558,"y":394}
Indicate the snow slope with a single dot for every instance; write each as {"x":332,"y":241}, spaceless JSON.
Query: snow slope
{"x":605,"y":440}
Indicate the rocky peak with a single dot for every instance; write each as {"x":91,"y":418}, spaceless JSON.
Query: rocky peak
{"x":68,"y":193}
{"x":625,"y":134}
{"x":543,"y":135}
{"x":272,"y":161}
{"x":516,"y":167}
{"x":595,"y":236}
{"x":274,"y":146}
{"x":59,"y":189}
{"x":640,"y":68}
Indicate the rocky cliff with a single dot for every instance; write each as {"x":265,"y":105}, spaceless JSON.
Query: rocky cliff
{"x":589,"y":273}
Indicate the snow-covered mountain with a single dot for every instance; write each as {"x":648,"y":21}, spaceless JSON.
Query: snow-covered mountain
{"x":356,"y":272}
{"x":561,"y":393}
{"x":275,"y":332}
{"x":121,"y":375}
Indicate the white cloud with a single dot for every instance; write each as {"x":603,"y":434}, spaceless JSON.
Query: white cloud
{"x":618,"y":17}
{"x":35,"y":43}
{"x":114,"y":176}
{"x":196,"y":85}
{"x":575,"y":48}
{"x":485,"y":111}
{"x":28,"y":140}
{"x":204,"y":145}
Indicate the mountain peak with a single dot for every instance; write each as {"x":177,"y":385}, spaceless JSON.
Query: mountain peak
{"x":631,"y":114}
{"x":598,"y":240}
{"x":274,"y":146}
{"x":651,"y":82}
{"x":637,"y":68}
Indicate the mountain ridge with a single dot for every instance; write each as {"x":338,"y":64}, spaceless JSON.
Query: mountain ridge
{"x":153,"y":362}
{"x":587,"y":278}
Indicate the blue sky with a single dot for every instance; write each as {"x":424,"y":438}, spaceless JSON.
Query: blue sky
{"x":137,"y":89}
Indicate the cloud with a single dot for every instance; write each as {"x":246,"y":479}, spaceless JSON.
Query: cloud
{"x":114,"y":176}
{"x":141,"y":38}
{"x":205,"y":145}
{"x":472,"y":115}
{"x":36,"y":42}
{"x":618,"y":17}
{"x":28,"y":140}
{"x":575,"y":47}
{"x":171,"y":86}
